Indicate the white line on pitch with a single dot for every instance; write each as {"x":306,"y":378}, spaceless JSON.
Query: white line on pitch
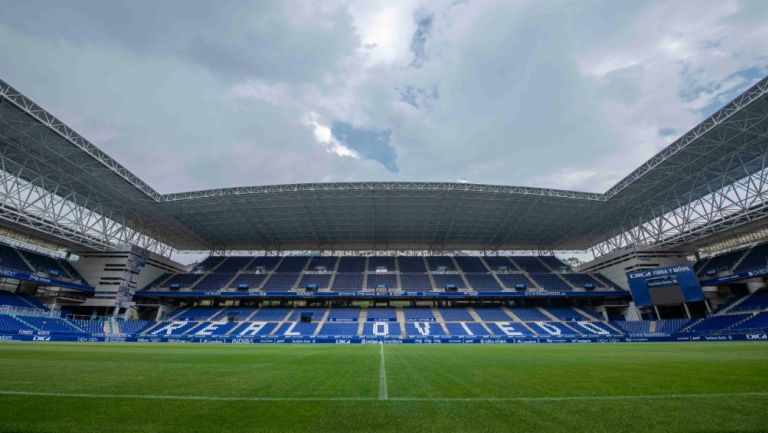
{"x":404,"y":399}
{"x":383,"y":394}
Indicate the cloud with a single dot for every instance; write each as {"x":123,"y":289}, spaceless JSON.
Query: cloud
{"x":567,"y":94}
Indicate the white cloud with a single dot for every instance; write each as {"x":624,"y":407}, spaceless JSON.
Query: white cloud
{"x":569,"y":95}
{"x":324,"y":136}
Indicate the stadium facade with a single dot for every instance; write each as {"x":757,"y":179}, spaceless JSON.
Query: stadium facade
{"x":680,"y":249}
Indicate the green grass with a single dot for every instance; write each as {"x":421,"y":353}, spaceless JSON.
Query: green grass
{"x":653,"y":387}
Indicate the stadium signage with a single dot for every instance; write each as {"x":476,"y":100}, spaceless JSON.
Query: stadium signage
{"x":736,"y":277}
{"x":4,"y":272}
{"x":427,"y":294}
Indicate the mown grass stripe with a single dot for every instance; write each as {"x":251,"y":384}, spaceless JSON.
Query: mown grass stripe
{"x":383,"y":393}
{"x":402,"y":399}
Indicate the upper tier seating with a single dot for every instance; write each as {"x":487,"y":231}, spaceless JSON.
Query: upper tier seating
{"x":500,"y":263}
{"x":722,"y":263}
{"x":182,"y":281}
{"x":606,"y":281}
{"x":263,"y":264}
{"x":530,"y":264}
{"x":10,"y":258}
{"x":411,"y":264}
{"x":554,"y":263}
{"x":511,"y":280}
{"x":316,"y":312}
{"x":440,"y":263}
{"x":565,"y":313}
{"x":490,"y":314}
{"x":551,"y":282}
{"x":253,"y":281}
{"x":45,"y":264}
{"x":415,"y":282}
{"x":756,"y":258}
{"x":234,"y":264}
{"x":195,"y":313}
{"x":443,"y":281}
{"x":281,"y":281}
{"x":381,"y":314}
{"x":456,"y":315}
{"x":344,"y":314}
{"x":471,"y":264}
{"x":214,"y":281}
{"x":354,"y":264}
{"x":348,"y":282}
{"x":292,"y":264}
{"x":319,"y":263}
{"x":385,"y":262}
{"x":320,"y":281}
{"x":529,"y":314}
{"x":387,"y":280}
{"x":418,"y":315}
{"x":267,"y":314}
{"x":209,"y":263}
{"x":483,"y":282}
{"x":237,"y":314}
{"x":582,"y":280}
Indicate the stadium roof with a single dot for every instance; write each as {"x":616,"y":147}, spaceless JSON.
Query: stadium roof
{"x":724,"y":149}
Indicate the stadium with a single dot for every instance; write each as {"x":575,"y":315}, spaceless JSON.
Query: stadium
{"x":384,"y":306}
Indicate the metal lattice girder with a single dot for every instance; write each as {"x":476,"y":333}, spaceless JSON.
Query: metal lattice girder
{"x":708,"y":181}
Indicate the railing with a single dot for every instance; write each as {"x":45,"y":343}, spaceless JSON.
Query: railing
{"x":21,"y":311}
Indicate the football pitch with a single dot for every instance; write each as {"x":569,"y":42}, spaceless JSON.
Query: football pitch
{"x":156,"y":387}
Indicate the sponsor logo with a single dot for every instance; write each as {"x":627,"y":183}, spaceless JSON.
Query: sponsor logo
{"x":757,"y":336}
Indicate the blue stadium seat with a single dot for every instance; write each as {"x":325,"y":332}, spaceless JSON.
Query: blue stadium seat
{"x":344,"y":314}
{"x":490,"y":314}
{"x":418,"y":315}
{"x":281,"y":281}
{"x":483,"y":282}
{"x":338,"y":329}
{"x":467,"y":329}
{"x":415,"y":282}
{"x":424,"y":329}
{"x":510,"y":329}
{"x":411,"y":264}
{"x":471,"y":264}
{"x":348,"y":282}
{"x":381,"y":329}
{"x":456,"y":315}
{"x":381,"y":314}
{"x":386,"y":262}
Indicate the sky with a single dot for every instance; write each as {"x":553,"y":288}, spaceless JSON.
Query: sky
{"x":197,"y":95}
